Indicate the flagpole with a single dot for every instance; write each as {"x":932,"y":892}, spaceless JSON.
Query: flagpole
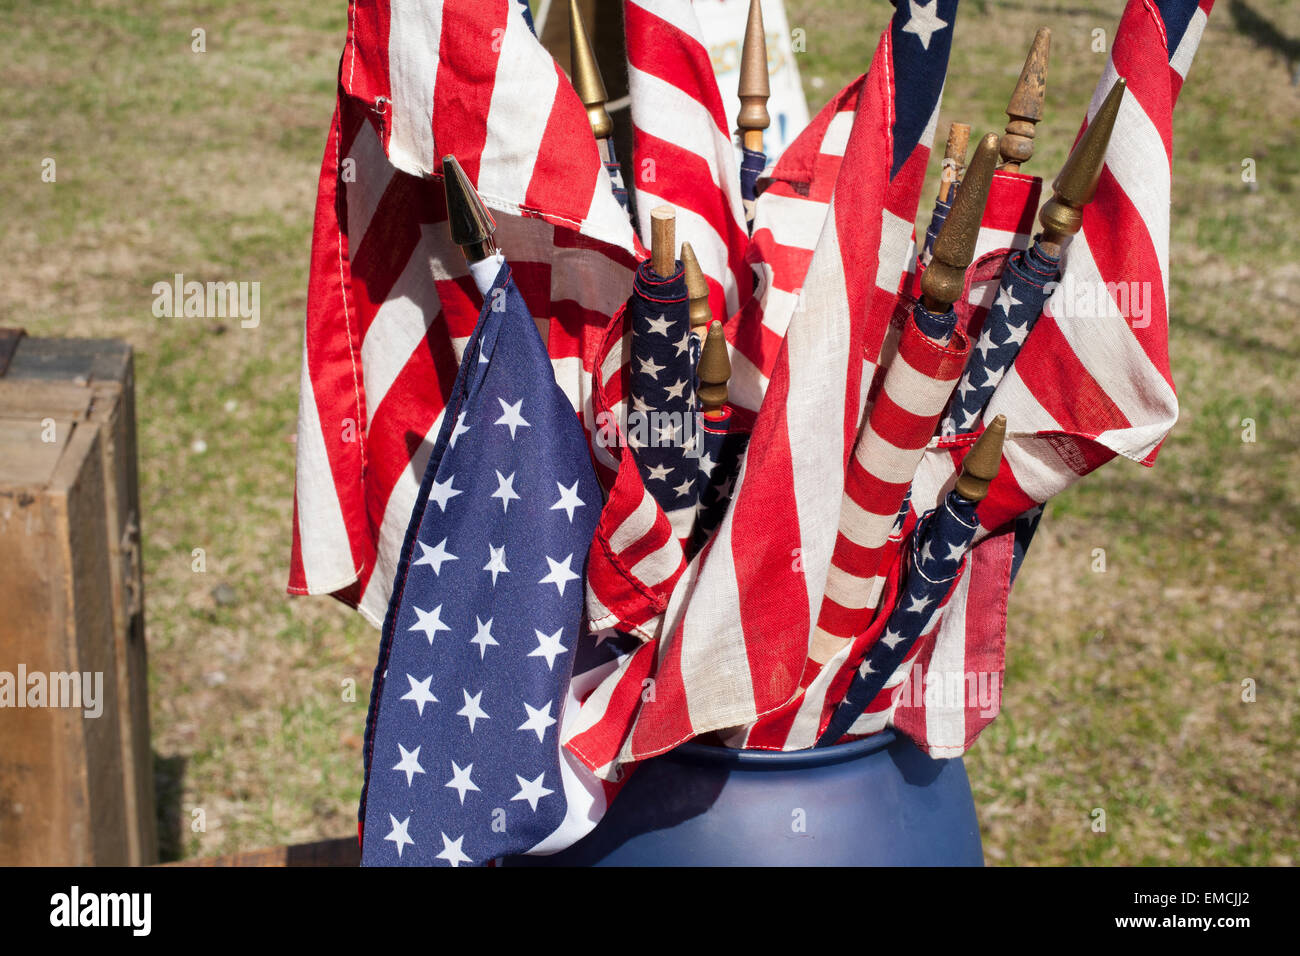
{"x":754,"y":89}
{"x":954,"y":159}
{"x":663,"y":240}
{"x":584,"y":71}
{"x":954,"y":247}
{"x":1026,"y":106}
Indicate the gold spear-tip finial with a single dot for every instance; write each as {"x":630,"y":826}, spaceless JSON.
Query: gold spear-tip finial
{"x":585,"y":75}
{"x":1074,"y":188}
{"x":980,"y":466}
{"x":754,"y":88}
{"x":470,"y":222}
{"x":1026,"y":106}
{"x":697,"y":290}
{"x":954,"y":247}
{"x":714,"y":371}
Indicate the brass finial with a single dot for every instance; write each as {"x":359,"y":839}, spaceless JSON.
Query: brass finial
{"x":954,"y":247}
{"x":714,"y":371}
{"x":1074,"y":188}
{"x":663,"y":240}
{"x":697,"y":290}
{"x":754,"y":88}
{"x":585,"y":75}
{"x":980,"y":466}
{"x":470,"y":222}
{"x":1026,"y":106}
{"x":954,"y":157}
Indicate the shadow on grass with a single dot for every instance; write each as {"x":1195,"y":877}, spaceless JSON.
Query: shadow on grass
{"x":168,"y":779}
{"x":1259,"y":29}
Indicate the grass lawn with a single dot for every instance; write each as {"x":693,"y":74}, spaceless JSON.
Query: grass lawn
{"x":1124,"y":688}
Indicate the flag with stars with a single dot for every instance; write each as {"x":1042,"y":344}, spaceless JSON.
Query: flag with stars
{"x":462,"y":739}
{"x":945,"y":536}
{"x":661,"y":425}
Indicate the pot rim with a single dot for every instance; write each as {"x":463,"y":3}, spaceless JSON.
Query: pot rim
{"x":693,"y":752}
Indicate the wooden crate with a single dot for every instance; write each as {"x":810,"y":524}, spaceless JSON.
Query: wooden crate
{"x":73,"y":789}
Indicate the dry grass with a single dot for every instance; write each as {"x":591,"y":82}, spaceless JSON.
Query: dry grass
{"x":1124,"y":688}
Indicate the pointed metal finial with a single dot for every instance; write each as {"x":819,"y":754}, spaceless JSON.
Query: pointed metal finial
{"x":754,"y":88}
{"x":697,"y":290}
{"x":585,"y":74}
{"x":663,"y":240}
{"x":1074,"y":188}
{"x":954,"y":247}
{"x":1026,"y":106}
{"x":470,"y":222}
{"x":980,"y":466}
{"x":954,"y":158}
{"x":714,"y":370}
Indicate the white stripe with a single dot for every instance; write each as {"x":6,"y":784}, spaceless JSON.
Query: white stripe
{"x":883,"y":460}
{"x":916,"y":392}
{"x":895,"y":249}
{"x":793,"y":220}
{"x":945,"y":726}
{"x":523,"y":96}
{"x":1182,"y":58}
{"x":325,"y":549}
{"x":848,"y":589}
{"x":414,"y":34}
{"x":836,"y":138}
{"x":370,"y":175}
{"x":400,"y":325}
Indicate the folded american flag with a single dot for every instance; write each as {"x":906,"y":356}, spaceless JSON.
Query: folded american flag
{"x":463,"y":762}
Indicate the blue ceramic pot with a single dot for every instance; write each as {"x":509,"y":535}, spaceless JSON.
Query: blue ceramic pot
{"x":878,"y":801}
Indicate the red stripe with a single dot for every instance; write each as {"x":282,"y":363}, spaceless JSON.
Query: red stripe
{"x":662,"y":50}
{"x":468,"y":51}
{"x":566,"y":145}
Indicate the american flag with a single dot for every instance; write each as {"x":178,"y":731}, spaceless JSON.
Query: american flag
{"x":390,"y":301}
{"x":736,"y":628}
{"x":1093,"y":380}
{"x":463,"y":762}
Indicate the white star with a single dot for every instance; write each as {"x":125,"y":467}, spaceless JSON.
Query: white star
{"x":1006,"y":300}
{"x":666,"y":436}
{"x":969,"y":421}
{"x":966,"y":385}
{"x":420,"y":693}
{"x":483,"y":636}
{"x":640,"y":404}
{"x":560,"y":574}
{"x":505,"y":490}
{"x":866,"y":668}
{"x":472,"y":711}
{"x":531,"y":790}
{"x":430,"y":622}
{"x":659,"y":325}
{"x":707,"y":463}
{"x":924,"y":21}
{"x":496,"y":563}
{"x":675,"y":391}
{"x":992,"y":376}
{"x":538,"y":719}
{"x":659,"y":472}
{"x":548,"y":646}
{"x":451,"y":851}
{"x":511,"y":416}
{"x":684,"y":343}
{"x":685,"y":488}
{"x":459,"y":429}
{"x":410,"y":763}
{"x":918,"y":604}
{"x":568,"y":499}
{"x":985,"y":344}
{"x":399,"y":835}
{"x":460,"y":781}
{"x":434,"y":557}
{"x":891,"y":638}
{"x":648,"y":367}
{"x":442,"y":491}
{"x":926,"y":554}
{"x":1017,"y":333}
{"x":956,"y":552}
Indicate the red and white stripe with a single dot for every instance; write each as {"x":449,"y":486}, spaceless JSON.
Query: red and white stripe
{"x":391,"y":302}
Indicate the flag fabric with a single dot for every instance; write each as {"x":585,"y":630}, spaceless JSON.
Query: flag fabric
{"x":390,"y":303}
{"x":463,"y":763}
{"x":1092,"y":382}
{"x":934,"y":564}
{"x":736,"y":629}
{"x":662,"y":422}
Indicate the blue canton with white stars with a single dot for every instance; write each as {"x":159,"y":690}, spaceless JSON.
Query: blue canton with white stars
{"x":921,"y":35}
{"x":462,"y":751}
